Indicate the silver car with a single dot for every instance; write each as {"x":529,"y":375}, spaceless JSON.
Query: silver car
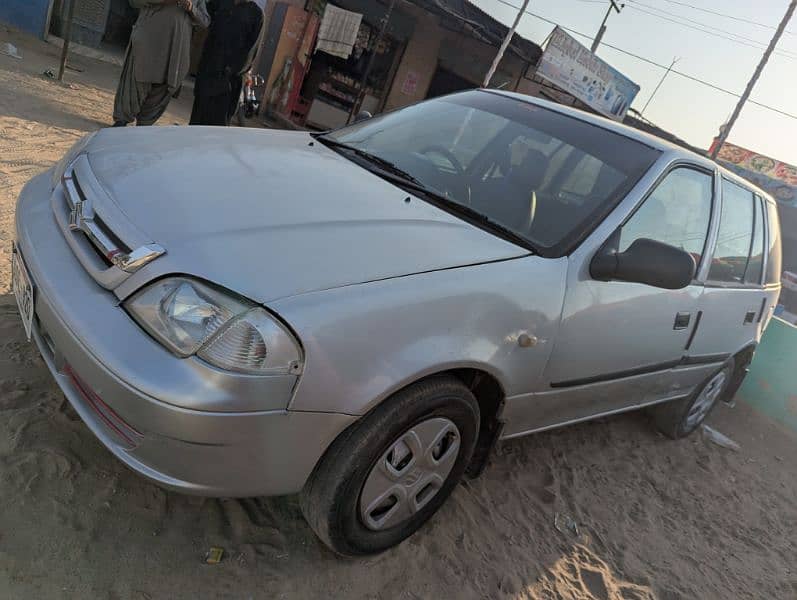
{"x":359,"y":316}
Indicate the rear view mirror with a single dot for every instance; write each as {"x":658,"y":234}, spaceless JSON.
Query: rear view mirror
{"x":646,"y":261}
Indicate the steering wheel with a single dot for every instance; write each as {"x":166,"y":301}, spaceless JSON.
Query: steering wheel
{"x":448,"y":155}
{"x":461,"y":177}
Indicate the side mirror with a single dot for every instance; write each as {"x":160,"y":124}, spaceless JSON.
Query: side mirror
{"x":646,"y":261}
{"x":363,"y":115}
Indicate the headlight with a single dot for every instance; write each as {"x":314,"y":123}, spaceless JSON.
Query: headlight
{"x":68,"y":158}
{"x":194,"y":318}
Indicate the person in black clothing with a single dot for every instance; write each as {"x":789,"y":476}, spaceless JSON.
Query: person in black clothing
{"x":236,"y":29}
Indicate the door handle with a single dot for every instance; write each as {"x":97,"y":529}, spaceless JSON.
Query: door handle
{"x":749,"y":317}
{"x":682,"y":320}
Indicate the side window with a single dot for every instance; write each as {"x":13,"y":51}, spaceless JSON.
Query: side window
{"x":774,"y":255}
{"x":755,"y":265}
{"x":677,"y":213}
{"x":735,"y":235}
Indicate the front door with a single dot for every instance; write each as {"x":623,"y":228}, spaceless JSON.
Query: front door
{"x":618,"y":341}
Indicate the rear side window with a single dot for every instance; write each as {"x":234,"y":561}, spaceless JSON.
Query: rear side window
{"x":732,"y":252}
{"x":755,"y":265}
{"x":774,"y":258}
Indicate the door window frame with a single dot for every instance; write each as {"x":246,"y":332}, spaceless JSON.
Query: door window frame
{"x":713,"y":222}
{"x":713,"y":283}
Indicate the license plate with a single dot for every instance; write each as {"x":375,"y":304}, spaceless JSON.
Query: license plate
{"x":23,"y":290}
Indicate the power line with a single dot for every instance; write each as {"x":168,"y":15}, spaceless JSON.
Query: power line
{"x":727,"y":16}
{"x":654,"y":63}
{"x":692,"y":24}
{"x":756,"y":44}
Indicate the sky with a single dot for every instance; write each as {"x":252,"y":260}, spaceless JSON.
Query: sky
{"x":687,"y":108}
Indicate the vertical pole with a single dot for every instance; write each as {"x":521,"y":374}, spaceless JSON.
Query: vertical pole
{"x":505,"y":44}
{"x":599,"y":36}
{"x":67,"y":37}
{"x":667,"y":72}
{"x":364,"y":81}
{"x":754,"y":79}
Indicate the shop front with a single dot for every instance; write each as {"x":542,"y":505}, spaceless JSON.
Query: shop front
{"x":327,"y":60}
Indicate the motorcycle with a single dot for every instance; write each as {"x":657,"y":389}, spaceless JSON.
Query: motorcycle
{"x":249,"y":104}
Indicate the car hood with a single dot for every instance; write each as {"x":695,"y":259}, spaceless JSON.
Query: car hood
{"x":272,"y":214}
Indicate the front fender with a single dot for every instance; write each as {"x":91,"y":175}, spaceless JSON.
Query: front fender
{"x":365,"y":342}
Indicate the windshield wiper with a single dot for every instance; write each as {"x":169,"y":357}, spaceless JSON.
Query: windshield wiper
{"x":461,"y":210}
{"x":381,"y":163}
{"x":398,"y":176}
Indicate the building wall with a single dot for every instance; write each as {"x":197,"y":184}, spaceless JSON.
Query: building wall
{"x":471,"y":59}
{"x":431,"y":46}
{"x":419,"y":62}
{"x":31,"y":16}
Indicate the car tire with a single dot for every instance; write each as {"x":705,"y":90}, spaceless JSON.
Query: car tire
{"x":679,"y":419}
{"x":385,"y":476}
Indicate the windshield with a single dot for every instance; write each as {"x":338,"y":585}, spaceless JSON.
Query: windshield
{"x":546,"y":177}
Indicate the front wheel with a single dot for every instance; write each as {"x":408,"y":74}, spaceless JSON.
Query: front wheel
{"x":680,"y":418}
{"x":383,"y":479}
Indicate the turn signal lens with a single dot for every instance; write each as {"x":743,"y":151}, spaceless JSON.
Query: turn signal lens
{"x":253,"y":343}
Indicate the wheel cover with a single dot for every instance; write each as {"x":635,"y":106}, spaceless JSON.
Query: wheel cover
{"x":409,"y":474}
{"x":708,"y":396}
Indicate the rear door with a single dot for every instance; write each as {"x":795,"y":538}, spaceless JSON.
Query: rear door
{"x":735,"y":304}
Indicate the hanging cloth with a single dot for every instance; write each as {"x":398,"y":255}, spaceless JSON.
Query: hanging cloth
{"x":338,"y":32}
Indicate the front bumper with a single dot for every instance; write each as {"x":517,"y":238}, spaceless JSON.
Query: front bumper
{"x":171,"y":420}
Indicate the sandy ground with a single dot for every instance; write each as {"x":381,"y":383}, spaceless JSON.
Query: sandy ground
{"x":655,"y":518}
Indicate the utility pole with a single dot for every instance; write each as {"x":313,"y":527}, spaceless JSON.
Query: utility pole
{"x":364,"y":82}
{"x":751,"y":84}
{"x":505,"y":44}
{"x":67,"y":37}
{"x":597,"y":41}
{"x":667,"y":72}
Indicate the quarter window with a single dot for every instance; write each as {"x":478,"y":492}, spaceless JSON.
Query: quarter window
{"x":774,"y":257}
{"x":677,"y":213}
{"x":755,"y":265}
{"x":731,"y":255}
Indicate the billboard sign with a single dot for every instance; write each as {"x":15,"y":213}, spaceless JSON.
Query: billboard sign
{"x":572,"y":67}
{"x":773,"y":176}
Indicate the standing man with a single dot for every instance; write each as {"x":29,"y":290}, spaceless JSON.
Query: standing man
{"x":233,"y":41}
{"x":158,"y":58}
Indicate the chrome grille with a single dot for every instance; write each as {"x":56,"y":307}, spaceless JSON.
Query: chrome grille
{"x":83,"y":218}
{"x":79,"y":218}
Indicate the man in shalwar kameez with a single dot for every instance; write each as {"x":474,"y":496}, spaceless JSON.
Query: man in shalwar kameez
{"x":158,"y":58}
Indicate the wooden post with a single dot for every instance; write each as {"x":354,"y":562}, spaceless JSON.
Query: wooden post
{"x":505,"y":44}
{"x":67,"y":37}
{"x":751,"y":84}
{"x":364,"y":82}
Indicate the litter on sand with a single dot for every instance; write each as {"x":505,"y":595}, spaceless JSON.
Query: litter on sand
{"x":565,"y":524}
{"x":10,"y":50}
{"x":720,"y":439}
{"x":213,"y":557}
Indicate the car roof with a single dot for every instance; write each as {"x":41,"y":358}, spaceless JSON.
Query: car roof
{"x":672,"y":150}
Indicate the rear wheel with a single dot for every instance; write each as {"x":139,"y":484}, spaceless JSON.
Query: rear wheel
{"x":383,"y":479}
{"x":679,"y":419}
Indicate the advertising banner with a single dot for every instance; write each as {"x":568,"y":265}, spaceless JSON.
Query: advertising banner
{"x":772,"y":176}
{"x":572,"y":67}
